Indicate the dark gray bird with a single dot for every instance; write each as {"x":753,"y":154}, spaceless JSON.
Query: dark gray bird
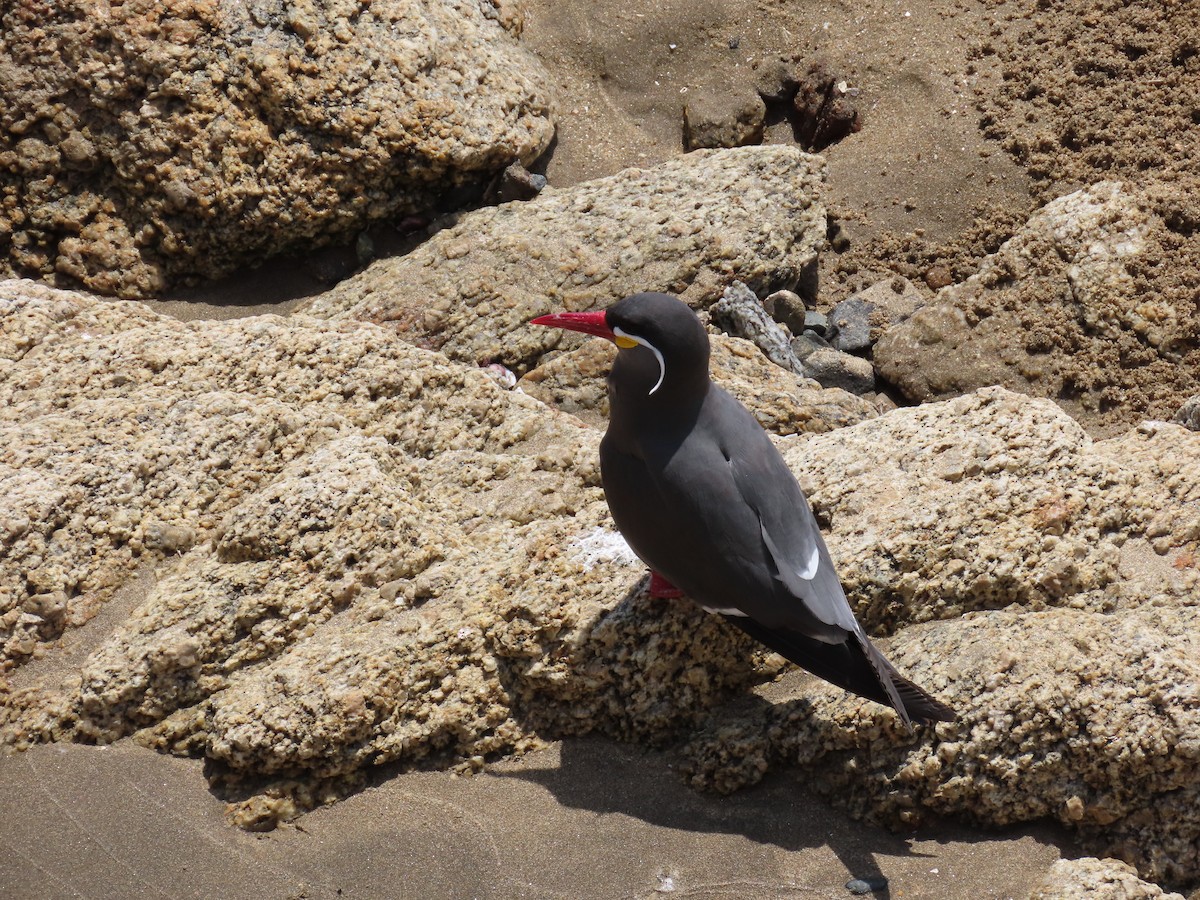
{"x":703,"y":497}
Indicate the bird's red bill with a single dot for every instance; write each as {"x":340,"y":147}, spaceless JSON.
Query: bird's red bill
{"x":587,"y":322}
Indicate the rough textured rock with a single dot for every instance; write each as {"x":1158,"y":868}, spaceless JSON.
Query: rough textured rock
{"x":1096,"y":879}
{"x":122,"y":427}
{"x":1067,"y":309}
{"x":783,"y":402}
{"x":1188,"y":415}
{"x":470,"y":290}
{"x":835,"y":369}
{"x":1056,"y":577}
{"x":740,"y":313}
{"x":366,"y":553}
{"x":163,"y":141}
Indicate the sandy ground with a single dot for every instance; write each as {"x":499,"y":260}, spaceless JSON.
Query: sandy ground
{"x":583,"y":819}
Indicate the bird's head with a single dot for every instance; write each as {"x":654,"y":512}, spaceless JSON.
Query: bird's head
{"x":663,"y":348}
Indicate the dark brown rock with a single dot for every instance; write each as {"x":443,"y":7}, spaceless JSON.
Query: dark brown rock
{"x":167,"y":141}
{"x":824,"y":111}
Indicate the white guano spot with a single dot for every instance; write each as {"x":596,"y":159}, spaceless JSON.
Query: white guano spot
{"x":602,"y":547}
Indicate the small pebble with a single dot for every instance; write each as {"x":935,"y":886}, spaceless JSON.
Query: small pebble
{"x":852,"y":319}
{"x":786,"y":308}
{"x":807,"y":344}
{"x":867,"y":885}
{"x":815,"y":321}
{"x":938,"y":277}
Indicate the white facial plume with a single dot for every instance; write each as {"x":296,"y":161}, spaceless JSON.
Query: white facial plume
{"x":629,"y":340}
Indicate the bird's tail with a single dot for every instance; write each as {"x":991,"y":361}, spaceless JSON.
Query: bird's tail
{"x":856,"y":666}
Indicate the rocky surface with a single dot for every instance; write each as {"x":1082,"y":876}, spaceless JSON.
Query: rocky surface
{"x":1096,"y":879}
{"x":690,"y":227}
{"x":164,"y":141}
{"x":212,"y":536}
{"x":1069,"y":309}
{"x":365,"y":553}
{"x":370,"y":554}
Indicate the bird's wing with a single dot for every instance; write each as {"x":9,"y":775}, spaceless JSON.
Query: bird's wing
{"x":790,"y":533}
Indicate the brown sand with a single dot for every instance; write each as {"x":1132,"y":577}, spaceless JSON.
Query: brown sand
{"x":586,"y":818}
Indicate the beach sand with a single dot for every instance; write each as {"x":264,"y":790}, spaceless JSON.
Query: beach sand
{"x":586,"y":818}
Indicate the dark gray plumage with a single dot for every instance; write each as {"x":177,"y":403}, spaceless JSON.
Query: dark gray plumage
{"x":700,"y":493}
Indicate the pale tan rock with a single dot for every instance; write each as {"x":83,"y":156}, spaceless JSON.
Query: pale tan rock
{"x":118,"y":423}
{"x":162,"y":141}
{"x":1096,"y":879}
{"x":1068,"y":309}
{"x":391,"y":557}
{"x":690,"y":226}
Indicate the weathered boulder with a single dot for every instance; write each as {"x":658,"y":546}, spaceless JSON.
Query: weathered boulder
{"x":167,"y":140}
{"x":1072,"y":308}
{"x":365,"y":552}
{"x":118,"y":422}
{"x":690,"y":226}
{"x":1096,"y":879}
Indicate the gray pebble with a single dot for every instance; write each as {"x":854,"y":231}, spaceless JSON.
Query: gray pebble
{"x":815,"y":321}
{"x":867,"y":885}
{"x":807,"y":344}
{"x":852,"y":319}
{"x":518,"y":183}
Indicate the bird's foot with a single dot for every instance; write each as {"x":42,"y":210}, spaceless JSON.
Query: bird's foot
{"x":660,"y":587}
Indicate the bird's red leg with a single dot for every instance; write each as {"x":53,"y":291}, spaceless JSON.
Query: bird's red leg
{"x":660,"y":587}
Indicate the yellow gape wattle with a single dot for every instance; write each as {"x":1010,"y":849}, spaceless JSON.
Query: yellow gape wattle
{"x":625,"y":343}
